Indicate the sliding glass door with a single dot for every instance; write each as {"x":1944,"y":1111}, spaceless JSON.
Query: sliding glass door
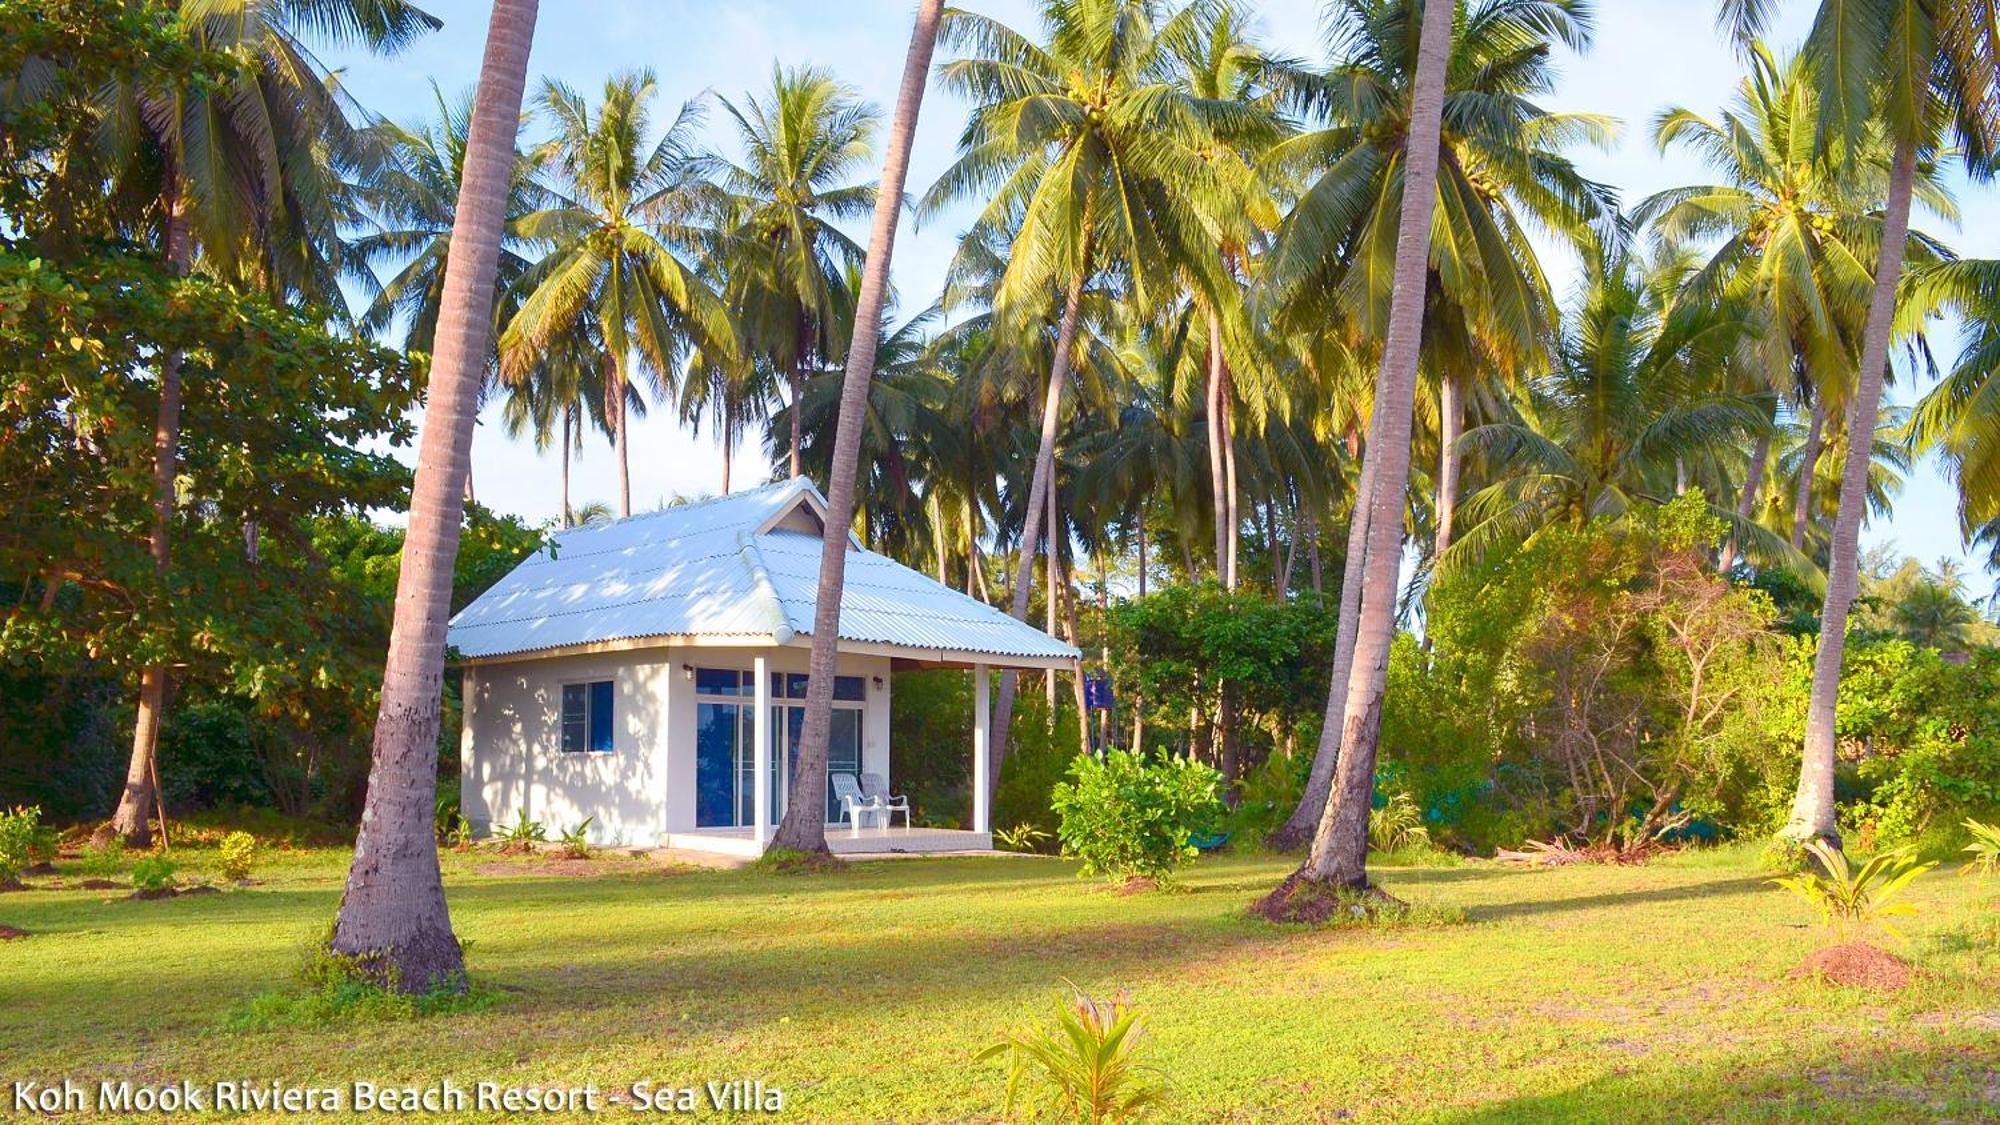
{"x":725,"y":761}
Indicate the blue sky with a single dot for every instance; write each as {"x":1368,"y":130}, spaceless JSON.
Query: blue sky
{"x":1648,"y":54}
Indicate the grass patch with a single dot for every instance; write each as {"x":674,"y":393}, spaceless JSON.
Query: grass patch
{"x":792,"y":861}
{"x":1604,"y":993}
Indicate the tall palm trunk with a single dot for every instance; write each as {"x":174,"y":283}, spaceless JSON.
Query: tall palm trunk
{"x":393,"y":911}
{"x":1233,"y":519}
{"x":568,"y":427}
{"x":728,"y":453}
{"x":1142,"y":550}
{"x":1808,"y":469}
{"x":1299,"y":827}
{"x":136,"y":802}
{"x":1216,"y":439}
{"x":798,"y":381}
{"x":1746,"y":501}
{"x":614,"y":412}
{"x":1040,"y":483}
{"x":1050,"y":575}
{"x":803,"y":826}
{"x":1451,"y":423}
{"x":1339,"y":854}
{"x":1812,"y":808}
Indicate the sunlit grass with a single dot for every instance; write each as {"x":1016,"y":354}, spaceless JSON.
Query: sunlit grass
{"x":1643,"y":993}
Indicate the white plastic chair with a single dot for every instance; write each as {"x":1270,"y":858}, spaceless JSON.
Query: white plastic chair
{"x":854,"y":805}
{"x":878,"y":792}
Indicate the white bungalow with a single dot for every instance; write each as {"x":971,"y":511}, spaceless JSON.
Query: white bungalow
{"x":650,"y":675}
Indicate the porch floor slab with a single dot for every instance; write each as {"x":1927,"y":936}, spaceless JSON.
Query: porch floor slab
{"x":840,"y":840}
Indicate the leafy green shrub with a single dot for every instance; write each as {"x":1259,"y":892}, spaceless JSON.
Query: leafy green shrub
{"x":522,"y":835}
{"x":1984,"y":849}
{"x":1087,"y":1069}
{"x":237,"y":855}
{"x":1124,"y":816}
{"x":21,"y":836}
{"x":154,"y":874}
{"x":576,"y":841}
{"x":1023,"y":837}
{"x":1845,"y":894}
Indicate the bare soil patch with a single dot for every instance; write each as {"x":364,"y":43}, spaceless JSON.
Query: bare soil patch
{"x":1858,"y":965}
{"x":174,"y":892}
{"x":10,"y":933}
{"x":1135,"y":885}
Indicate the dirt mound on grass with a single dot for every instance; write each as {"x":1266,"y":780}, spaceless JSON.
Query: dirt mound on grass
{"x":1301,"y":901}
{"x":9,"y":933}
{"x":1858,"y":965}
{"x":98,"y":885}
{"x":14,"y":885}
{"x":175,"y":892}
{"x":1135,"y":885}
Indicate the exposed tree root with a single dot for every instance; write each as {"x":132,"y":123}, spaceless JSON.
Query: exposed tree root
{"x":1303,"y":900}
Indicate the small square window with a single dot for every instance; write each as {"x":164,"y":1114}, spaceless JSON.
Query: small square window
{"x":852,"y":689}
{"x":586,"y":717}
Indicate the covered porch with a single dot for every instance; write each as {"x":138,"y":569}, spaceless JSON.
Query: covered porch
{"x":876,"y":833}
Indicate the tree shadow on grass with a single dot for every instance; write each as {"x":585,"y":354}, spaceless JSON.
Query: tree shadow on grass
{"x":1953,"y":1081}
{"x":1695,"y":890}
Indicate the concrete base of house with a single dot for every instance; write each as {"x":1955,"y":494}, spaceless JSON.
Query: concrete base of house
{"x":842,"y":841}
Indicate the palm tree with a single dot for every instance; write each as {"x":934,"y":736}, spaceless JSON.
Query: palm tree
{"x":1617,"y":423}
{"x":787,"y":261}
{"x":803,"y":825}
{"x":1960,"y":418}
{"x":1488,"y":306}
{"x":617,"y":211}
{"x":246,"y":181}
{"x":1922,"y":72}
{"x":1795,"y":230}
{"x":392,"y":916}
{"x":1338,"y":857}
{"x":1087,"y":150}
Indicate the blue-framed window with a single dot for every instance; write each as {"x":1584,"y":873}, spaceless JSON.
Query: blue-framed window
{"x":792,"y":685}
{"x":586,"y":717}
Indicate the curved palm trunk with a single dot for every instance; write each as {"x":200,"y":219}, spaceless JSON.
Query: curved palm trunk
{"x":1050,"y":576}
{"x":1746,"y":501}
{"x":1339,"y":854}
{"x":1299,"y":827}
{"x":803,"y":826}
{"x":798,"y":382}
{"x":1812,"y":808}
{"x":1039,"y":485}
{"x":728,"y":454}
{"x":1451,"y":423}
{"x":1808,"y":468}
{"x":139,"y":796}
{"x":393,"y":910}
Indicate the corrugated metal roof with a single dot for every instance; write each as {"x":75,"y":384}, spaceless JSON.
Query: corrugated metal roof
{"x":720,"y":568}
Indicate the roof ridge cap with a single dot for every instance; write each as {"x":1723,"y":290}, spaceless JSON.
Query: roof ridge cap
{"x":760,"y":582}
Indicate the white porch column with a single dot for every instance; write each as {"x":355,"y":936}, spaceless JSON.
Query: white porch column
{"x":981,"y":752}
{"x":760,"y":749}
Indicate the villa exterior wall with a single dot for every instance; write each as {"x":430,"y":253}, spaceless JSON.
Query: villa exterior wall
{"x":511,"y":753}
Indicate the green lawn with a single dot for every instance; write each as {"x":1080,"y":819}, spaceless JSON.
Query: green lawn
{"x":1650,"y":993}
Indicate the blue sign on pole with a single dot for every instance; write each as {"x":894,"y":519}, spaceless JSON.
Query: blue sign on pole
{"x":1097,"y":692}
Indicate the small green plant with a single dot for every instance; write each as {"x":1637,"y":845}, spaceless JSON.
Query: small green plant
{"x":1128,"y":817}
{"x":153,"y":875}
{"x":1397,"y":825}
{"x":576,"y":841}
{"x":522,"y":835}
{"x":1023,"y":837}
{"x":1984,"y":849}
{"x":102,"y":861}
{"x":1086,"y":1069}
{"x":1845,"y":894}
{"x":236,"y":855}
{"x":20,"y":835}
{"x":452,"y":827}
